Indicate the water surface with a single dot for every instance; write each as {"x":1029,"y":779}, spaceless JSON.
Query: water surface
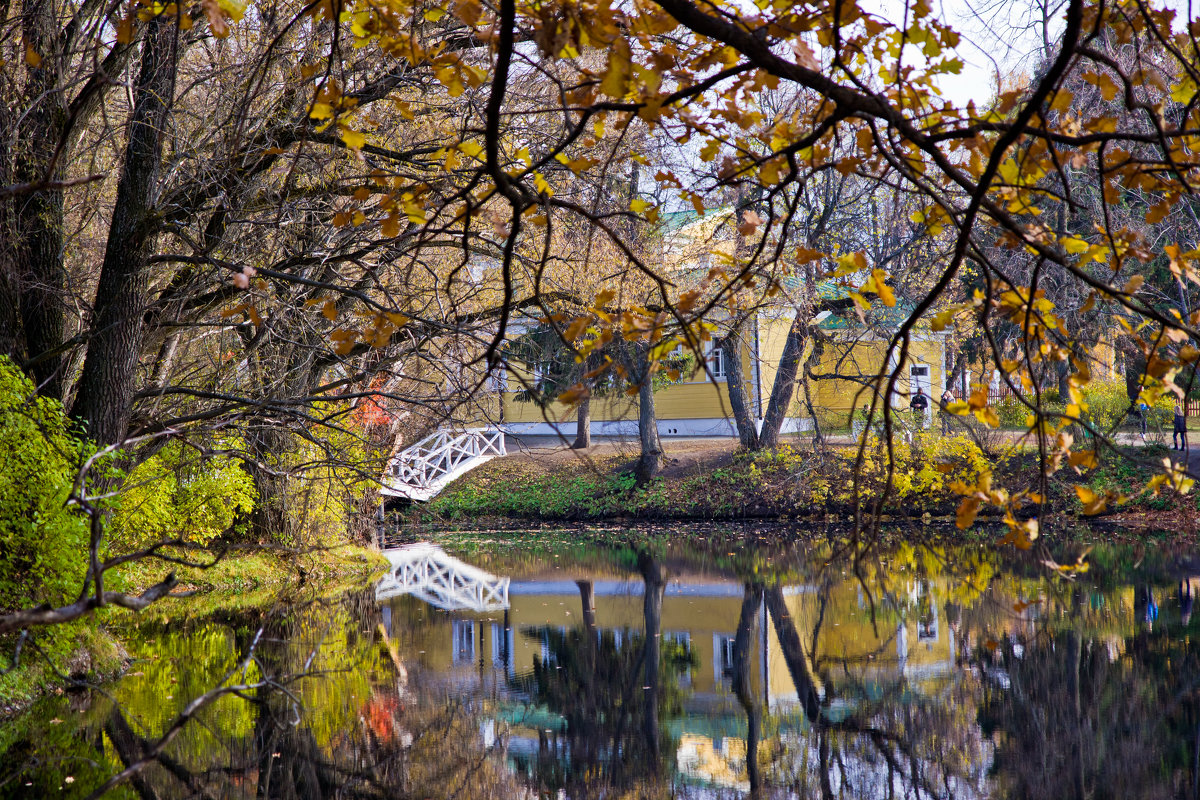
{"x":533,"y":668}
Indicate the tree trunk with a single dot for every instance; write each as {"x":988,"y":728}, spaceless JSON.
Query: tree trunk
{"x":583,"y":425}
{"x":109,"y":371}
{"x":651,"y":461}
{"x":813,"y":360}
{"x":12,"y":338}
{"x":39,"y":277}
{"x":785,"y":385}
{"x":794,"y":655}
{"x":742,"y":643}
{"x":735,"y":382}
{"x":270,"y":520}
{"x":655,"y":582}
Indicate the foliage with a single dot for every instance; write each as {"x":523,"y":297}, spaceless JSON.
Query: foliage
{"x":175,"y":494}
{"x":931,"y":463}
{"x":362,"y":233}
{"x":43,"y":538}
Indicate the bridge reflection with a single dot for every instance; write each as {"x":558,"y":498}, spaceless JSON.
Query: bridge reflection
{"x":429,"y":573}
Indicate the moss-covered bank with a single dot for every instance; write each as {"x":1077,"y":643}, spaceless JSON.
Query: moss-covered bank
{"x":787,"y":484}
{"x":90,"y":650}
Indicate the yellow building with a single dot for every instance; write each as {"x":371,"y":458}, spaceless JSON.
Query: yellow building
{"x":854,"y":353}
{"x":851,"y":360}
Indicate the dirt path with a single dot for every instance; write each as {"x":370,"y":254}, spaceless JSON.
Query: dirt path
{"x":684,"y":456}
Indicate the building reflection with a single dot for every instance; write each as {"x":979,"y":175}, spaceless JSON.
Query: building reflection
{"x":856,"y":650}
{"x":895,"y":683}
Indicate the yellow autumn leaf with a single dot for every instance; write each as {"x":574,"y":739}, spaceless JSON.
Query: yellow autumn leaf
{"x":1093,"y":502}
{"x":968,"y":509}
{"x":353,"y":139}
{"x":618,"y":69}
{"x":232,"y":8}
{"x":1073,"y":245}
{"x":942,"y":319}
{"x":885,"y":293}
{"x":1082,"y":460}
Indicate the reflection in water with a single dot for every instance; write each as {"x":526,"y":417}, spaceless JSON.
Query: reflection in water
{"x":925,"y":673}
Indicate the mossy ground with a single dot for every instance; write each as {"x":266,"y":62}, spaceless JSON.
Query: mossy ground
{"x":792,"y":483}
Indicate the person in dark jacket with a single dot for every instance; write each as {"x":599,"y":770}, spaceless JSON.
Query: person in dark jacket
{"x":918,"y":405}
{"x":1179,"y":431}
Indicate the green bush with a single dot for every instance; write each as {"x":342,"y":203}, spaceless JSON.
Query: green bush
{"x":1012,"y":413}
{"x":178,"y":494}
{"x":43,"y":540}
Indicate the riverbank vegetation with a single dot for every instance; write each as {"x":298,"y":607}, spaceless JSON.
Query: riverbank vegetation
{"x":182,"y":510}
{"x":94,"y":649}
{"x":794,"y":482}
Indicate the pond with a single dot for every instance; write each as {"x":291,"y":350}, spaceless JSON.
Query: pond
{"x":537,"y":666}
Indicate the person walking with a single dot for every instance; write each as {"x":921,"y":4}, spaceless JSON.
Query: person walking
{"x":919,"y":405}
{"x":947,"y":399}
{"x":1139,"y":413}
{"x":1179,"y":429}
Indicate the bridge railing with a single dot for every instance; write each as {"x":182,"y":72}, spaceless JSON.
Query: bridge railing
{"x":444,"y":451}
{"x":430,"y":574}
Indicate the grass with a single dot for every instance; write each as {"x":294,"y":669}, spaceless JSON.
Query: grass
{"x":789,"y":483}
{"x":786,"y":482}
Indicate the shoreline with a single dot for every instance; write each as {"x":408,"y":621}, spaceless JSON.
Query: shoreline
{"x":787,"y":486}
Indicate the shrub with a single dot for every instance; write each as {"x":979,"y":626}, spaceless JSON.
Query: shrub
{"x":42,"y":539}
{"x":178,"y":494}
{"x":1012,"y":413}
{"x":927,"y":466}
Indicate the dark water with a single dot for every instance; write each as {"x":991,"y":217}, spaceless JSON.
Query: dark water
{"x":538,"y":668}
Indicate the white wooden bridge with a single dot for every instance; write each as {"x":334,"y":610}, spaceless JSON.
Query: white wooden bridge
{"x":429,"y":573}
{"x":424,"y":469}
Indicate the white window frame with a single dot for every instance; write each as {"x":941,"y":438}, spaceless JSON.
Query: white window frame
{"x":723,"y":657}
{"x":715,"y":358}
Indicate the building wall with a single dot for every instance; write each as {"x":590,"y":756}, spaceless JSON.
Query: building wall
{"x":697,"y":397}
{"x":700,"y":406}
{"x":860,"y":361}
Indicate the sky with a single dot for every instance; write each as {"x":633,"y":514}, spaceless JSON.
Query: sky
{"x":996,"y":37}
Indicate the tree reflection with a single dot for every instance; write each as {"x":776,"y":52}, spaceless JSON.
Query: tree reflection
{"x":613,"y":697}
{"x":868,"y":729}
{"x":742,"y":644}
{"x":308,"y":711}
{"x":1081,"y":715}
